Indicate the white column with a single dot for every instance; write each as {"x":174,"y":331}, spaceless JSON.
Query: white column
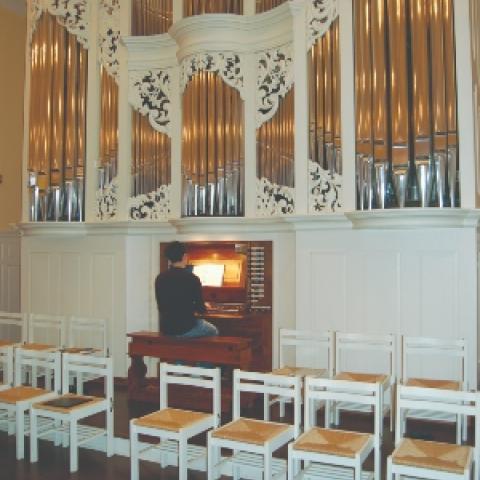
{"x":301,"y":108}
{"x":177,"y":10}
{"x":249,"y":97}
{"x":93,"y":114}
{"x":176,"y":149}
{"x":465,"y":106}
{"x":249,"y":7}
{"x":347,"y":57}
{"x":26,"y":120}
{"x":124,"y":118}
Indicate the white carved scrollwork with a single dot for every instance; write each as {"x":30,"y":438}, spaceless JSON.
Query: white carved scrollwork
{"x":109,"y":35}
{"x":72,"y":14}
{"x":107,"y":201}
{"x":227,"y":65}
{"x":151,"y":206}
{"x":274,"y":80}
{"x":273,"y":199}
{"x":324,"y":188}
{"x":149,"y":94}
{"x":320,"y":15}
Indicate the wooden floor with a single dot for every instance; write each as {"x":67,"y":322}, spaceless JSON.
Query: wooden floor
{"x":53,"y":461}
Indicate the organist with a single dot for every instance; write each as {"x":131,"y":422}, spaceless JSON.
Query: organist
{"x":179,"y":298}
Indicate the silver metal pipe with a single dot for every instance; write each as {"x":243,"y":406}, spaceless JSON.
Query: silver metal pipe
{"x":452,"y":174}
{"x":381,"y":183}
{"x":400,"y":177}
{"x":424,"y":180}
{"x":440,"y":176}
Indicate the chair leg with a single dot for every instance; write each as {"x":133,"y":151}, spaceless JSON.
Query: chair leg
{"x":389,"y":469}
{"x":211,"y":458}
{"x":57,"y":435}
{"x":266,"y":407}
{"x":182,"y":459}
{"x":377,"y":463}
{"x":267,"y":465}
{"x":282,"y":408}
{"x":79,"y":383}
{"x":33,"y":437}
{"x":20,"y":433}
{"x":290,"y":472}
{"x":110,"y":438}
{"x":358,"y":471}
{"x":73,"y":446}
{"x":134,"y":467}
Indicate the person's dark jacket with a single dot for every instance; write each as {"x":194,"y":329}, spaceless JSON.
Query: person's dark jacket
{"x":179,"y":296}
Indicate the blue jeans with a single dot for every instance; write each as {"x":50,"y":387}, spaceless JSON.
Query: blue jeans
{"x":202,"y":328}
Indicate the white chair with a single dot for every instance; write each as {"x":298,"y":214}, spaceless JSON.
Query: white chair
{"x":13,"y":327}
{"x":328,"y":453}
{"x":302,"y":353}
{"x":65,"y":411}
{"x":47,"y":329}
{"x":174,"y":427}
{"x":380,"y":352}
{"x":16,"y":401}
{"x":414,"y":348}
{"x":254,"y":441}
{"x":6,"y":365}
{"x":87,"y":336}
{"x":414,"y":458}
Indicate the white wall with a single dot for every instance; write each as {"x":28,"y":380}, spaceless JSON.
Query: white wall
{"x":420,"y":282}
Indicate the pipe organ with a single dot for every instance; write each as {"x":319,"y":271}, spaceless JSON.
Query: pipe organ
{"x":239,"y":108}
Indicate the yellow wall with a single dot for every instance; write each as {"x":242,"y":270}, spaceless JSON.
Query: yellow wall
{"x":12,"y":76}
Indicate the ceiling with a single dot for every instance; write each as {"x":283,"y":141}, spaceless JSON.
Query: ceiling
{"x":17,"y":6}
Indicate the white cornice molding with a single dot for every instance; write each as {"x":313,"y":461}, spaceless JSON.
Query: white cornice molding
{"x":233,"y":33}
{"x":401,"y":219}
{"x":415,"y":218}
{"x":150,"y":52}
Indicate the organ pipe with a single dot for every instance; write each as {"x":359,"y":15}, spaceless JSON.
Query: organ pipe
{"x":265,"y":5}
{"x":324,"y":104}
{"x":151,"y":17}
{"x":275,"y":144}
{"x":212,"y":147}
{"x":406,"y":106}
{"x":56,"y":157}
{"x":200,"y":7}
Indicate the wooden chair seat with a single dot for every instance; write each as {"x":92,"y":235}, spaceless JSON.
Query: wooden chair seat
{"x":6,"y":343}
{"x":17,"y":394}
{"x":332,"y":442}
{"x":80,"y":350}
{"x":430,"y":383}
{"x":300,"y":372}
{"x":437,"y":456}
{"x":38,"y":347}
{"x":171,"y":419}
{"x":362,"y":377}
{"x":54,"y":404}
{"x":247,"y":430}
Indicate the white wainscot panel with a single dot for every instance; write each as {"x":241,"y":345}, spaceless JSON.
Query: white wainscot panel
{"x":70,"y":299}
{"x":327,"y":291}
{"x":39,"y":283}
{"x":9,"y":273}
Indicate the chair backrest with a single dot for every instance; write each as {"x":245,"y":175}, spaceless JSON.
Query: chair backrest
{"x":48,"y":329}
{"x":90,"y":365}
{"x":86,"y":332}
{"x":209,"y":378}
{"x":454,"y":402}
{"x":6,"y":364}
{"x":438,"y":348}
{"x":323,"y":389}
{"x":384,"y":344}
{"x":13,"y":327}
{"x":309,"y":346}
{"x":268,"y":384}
{"x":29,"y":362}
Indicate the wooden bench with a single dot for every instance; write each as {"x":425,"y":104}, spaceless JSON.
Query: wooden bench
{"x":234,"y":352}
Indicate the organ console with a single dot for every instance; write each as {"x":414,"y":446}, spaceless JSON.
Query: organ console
{"x":237,"y":288}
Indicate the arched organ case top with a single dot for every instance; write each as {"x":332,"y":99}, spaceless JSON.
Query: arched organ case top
{"x":406,"y":102}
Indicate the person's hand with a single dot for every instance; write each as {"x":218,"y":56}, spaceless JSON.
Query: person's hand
{"x":208,"y":305}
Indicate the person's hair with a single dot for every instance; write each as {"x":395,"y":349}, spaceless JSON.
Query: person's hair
{"x":175,"y":251}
